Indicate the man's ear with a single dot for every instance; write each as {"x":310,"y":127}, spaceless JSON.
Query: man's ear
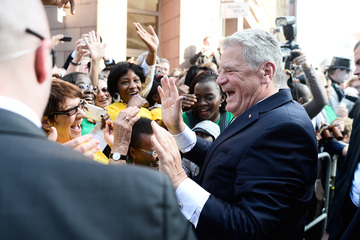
{"x":42,"y":55}
{"x":269,"y":72}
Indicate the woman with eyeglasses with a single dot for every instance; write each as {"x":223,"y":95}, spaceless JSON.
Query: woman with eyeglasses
{"x":65,"y":112}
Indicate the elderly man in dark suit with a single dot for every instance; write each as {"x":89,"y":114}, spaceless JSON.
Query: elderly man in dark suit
{"x":257,"y":178}
{"x":49,"y":191}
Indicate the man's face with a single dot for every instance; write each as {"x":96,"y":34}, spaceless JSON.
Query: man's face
{"x":242,"y":85}
{"x":341,"y":75}
{"x":357,"y":61}
{"x":165,"y":68}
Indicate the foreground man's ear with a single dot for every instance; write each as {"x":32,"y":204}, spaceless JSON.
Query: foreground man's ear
{"x":43,"y":61}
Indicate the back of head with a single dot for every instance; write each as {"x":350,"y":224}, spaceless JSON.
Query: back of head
{"x":72,"y":77}
{"x":209,"y":127}
{"x":301,"y":93}
{"x":141,"y":126}
{"x":15,"y":17}
{"x":17,"y":50}
{"x":258,"y":46}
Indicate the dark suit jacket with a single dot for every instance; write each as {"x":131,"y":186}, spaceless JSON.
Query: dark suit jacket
{"x":337,"y":222}
{"x":353,"y":230}
{"x":260,"y":172}
{"x":49,"y":191}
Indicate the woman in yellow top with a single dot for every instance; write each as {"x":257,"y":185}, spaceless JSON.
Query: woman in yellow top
{"x":65,"y":112}
{"x":124,"y":85}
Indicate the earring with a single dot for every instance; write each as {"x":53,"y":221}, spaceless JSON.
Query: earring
{"x":116,"y":97}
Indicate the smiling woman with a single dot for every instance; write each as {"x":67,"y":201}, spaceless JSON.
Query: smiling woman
{"x":210,"y":104}
{"x":65,"y":112}
{"x":124,"y":86}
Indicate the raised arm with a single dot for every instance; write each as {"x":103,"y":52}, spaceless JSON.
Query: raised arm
{"x":317,"y":88}
{"x":97,"y":52}
{"x":151,"y":40}
{"x":171,"y":106}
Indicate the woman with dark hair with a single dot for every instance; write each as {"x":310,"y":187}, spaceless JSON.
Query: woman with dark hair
{"x":210,"y":102}
{"x":124,"y":86}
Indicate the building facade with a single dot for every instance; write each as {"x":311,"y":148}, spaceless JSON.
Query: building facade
{"x":180,"y":24}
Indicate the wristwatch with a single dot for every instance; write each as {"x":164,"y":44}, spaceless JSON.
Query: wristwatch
{"x":117,"y":156}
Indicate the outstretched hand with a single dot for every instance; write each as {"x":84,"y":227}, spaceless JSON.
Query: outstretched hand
{"x":149,"y":38}
{"x":171,"y":106}
{"x":96,"y":48}
{"x":168,"y":153}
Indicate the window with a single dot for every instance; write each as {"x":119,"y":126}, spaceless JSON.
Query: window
{"x":146,"y":12}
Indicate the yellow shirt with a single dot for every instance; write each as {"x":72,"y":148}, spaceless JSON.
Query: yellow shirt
{"x":101,"y":158}
{"x":156,"y":114}
{"x":114,"y":109}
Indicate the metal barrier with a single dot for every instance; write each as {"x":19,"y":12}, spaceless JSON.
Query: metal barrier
{"x":324,"y":156}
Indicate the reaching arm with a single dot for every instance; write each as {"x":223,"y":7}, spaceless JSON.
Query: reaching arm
{"x":317,"y":89}
{"x":97,"y":52}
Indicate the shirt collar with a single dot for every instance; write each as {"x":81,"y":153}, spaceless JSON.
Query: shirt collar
{"x":15,"y":106}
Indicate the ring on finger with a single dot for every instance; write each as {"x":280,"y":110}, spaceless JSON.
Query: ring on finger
{"x":126,"y":118}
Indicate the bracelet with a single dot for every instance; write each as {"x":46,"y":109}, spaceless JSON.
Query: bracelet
{"x":76,"y":64}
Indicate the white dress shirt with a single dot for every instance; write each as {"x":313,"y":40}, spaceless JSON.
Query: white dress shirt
{"x":190,"y":195}
{"x":355,"y":188}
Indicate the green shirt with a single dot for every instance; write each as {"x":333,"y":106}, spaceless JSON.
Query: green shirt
{"x":228,"y":114}
{"x":86,"y":127}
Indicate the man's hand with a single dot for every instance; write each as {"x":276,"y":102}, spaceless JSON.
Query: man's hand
{"x":171,"y":106}
{"x":62,"y":4}
{"x":119,"y":132}
{"x":168,"y":153}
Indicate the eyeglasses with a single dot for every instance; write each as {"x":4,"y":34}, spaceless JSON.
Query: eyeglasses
{"x":152,"y":153}
{"x":28,"y":30}
{"x":71,"y":111}
{"x":87,"y":87}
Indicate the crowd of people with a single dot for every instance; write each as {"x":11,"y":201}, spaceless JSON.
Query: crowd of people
{"x":226,"y":149}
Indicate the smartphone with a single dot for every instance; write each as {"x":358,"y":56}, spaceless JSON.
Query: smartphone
{"x":66,"y":39}
{"x":94,"y":112}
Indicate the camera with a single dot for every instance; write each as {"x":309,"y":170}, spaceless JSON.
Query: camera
{"x":290,"y":31}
